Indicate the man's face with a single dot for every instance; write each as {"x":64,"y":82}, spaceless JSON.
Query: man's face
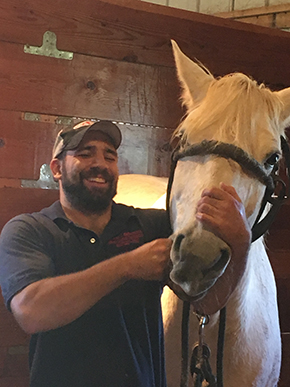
{"x":90,"y":174}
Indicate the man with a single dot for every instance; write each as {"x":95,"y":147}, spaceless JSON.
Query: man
{"x":85,"y":275}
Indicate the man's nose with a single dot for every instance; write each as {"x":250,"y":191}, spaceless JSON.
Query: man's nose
{"x":98,"y":160}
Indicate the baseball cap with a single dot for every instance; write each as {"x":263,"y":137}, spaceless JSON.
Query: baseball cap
{"x":70,"y":139}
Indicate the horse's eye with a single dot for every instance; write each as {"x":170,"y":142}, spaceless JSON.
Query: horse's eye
{"x":272,"y":160}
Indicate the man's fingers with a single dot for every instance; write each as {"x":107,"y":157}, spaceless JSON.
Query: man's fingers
{"x":219,"y":193}
{"x":231,"y":190}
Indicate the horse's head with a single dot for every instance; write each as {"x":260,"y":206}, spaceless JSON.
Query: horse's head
{"x":231,"y":134}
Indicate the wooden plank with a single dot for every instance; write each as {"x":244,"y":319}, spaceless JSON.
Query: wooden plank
{"x":27,"y":145}
{"x":278,"y":239}
{"x":282,"y":20}
{"x":280,"y":262}
{"x":263,"y":20}
{"x":11,"y":334}
{"x":16,"y":201}
{"x":145,"y":151}
{"x":257,"y":11}
{"x":88,"y":87}
{"x":140,"y":32}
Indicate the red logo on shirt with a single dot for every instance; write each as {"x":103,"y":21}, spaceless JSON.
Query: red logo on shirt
{"x":127,"y":238}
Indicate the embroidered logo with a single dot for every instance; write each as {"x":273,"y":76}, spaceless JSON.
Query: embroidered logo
{"x":127,"y":238}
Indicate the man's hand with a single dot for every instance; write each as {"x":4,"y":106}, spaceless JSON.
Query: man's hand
{"x":151,"y":261}
{"x":221,"y":211}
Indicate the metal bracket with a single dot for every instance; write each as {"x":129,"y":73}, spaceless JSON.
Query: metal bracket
{"x":48,"y":48}
{"x":59,"y":120}
{"x":45,"y":180}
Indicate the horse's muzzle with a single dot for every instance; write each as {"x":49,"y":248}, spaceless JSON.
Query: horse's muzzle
{"x":198,"y":261}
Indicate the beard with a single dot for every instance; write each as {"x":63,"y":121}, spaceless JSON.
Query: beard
{"x":93,"y":200}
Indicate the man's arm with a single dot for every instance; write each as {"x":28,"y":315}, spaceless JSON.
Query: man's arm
{"x":54,"y":302}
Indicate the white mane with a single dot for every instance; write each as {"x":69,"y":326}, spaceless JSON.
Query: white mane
{"x":235,"y":110}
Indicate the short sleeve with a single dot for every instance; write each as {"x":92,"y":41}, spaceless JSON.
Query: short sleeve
{"x":155,"y":223}
{"x":25,"y":255}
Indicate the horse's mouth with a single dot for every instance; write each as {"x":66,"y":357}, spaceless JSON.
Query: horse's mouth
{"x":195,"y":283}
{"x":218,"y":267}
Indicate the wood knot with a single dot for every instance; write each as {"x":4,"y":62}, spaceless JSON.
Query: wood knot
{"x":91,"y":85}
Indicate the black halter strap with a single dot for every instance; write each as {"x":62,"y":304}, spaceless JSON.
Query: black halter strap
{"x":276,"y":196}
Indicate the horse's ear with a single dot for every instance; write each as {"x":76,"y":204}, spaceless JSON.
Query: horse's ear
{"x":193,"y":78}
{"x":284,"y":95}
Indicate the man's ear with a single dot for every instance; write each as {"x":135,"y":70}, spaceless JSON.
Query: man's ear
{"x":55,"y":166}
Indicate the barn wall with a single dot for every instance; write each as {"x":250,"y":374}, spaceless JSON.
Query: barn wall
{"x":266,"y":13}
{"x":212,"y":6}
{"x":276,"y":16}
{"x":122,"y":70}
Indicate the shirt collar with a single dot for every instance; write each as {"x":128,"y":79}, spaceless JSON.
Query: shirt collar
{"x":119,"y":211}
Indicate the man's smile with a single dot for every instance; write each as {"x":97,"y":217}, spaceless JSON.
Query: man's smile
{"x":97,"y":180}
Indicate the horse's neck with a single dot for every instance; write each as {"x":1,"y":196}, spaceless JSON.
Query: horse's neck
{"x":251,"y":314}
{"x":255,"y":287}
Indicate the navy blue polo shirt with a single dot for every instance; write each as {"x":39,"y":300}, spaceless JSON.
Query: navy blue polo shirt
{"x":119,"y":341}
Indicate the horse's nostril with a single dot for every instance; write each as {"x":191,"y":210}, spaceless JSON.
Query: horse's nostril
{"x":177,"y":242}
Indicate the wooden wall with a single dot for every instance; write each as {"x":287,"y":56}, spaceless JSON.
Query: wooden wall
{"x":273,"y":16}
{"x":122,"y":70}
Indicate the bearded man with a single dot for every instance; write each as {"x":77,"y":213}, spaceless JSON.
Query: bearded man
{"x":84,"y":277}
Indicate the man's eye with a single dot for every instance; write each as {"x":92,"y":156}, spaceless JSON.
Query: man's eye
{"x":84,"y":154}
{"x":110,"y":158}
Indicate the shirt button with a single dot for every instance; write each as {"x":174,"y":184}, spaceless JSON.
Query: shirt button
{"x":93,"y":240}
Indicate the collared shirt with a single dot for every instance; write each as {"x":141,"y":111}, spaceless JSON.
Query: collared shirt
{"x":119,"y":341}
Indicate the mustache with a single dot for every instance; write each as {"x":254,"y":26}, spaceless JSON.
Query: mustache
{"x":97,"y":171}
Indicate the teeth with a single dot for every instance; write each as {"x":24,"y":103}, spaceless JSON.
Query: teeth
{"x":97,"y":179}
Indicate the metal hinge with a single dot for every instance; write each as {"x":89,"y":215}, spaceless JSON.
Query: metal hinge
{"x":45,"y":180}
{"x":48,"y":48}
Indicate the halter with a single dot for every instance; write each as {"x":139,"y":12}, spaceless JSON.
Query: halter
{"x":272,"y":182}
{"x":250,"y":166}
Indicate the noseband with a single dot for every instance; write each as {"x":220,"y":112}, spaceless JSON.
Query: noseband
{"x":272,"y":181}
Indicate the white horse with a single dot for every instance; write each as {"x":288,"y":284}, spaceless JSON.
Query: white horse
{"x":233,"y":110}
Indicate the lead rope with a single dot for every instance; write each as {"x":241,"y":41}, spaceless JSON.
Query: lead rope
{"x":220,"y":347}
{"x":184,"y":344}
{"x":200,"y":368}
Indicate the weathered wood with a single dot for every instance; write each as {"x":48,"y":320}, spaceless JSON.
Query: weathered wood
{"x":263,"y":20}
{"x":257,"y":11}
{"x":275,"y":16}
{"x":88,"y":87}
{"x":16,"y":201}
{"x":145,"y":150}
{"x":282,"y":20}
{"x":140,"y":32}
{"x":26,"y":145}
